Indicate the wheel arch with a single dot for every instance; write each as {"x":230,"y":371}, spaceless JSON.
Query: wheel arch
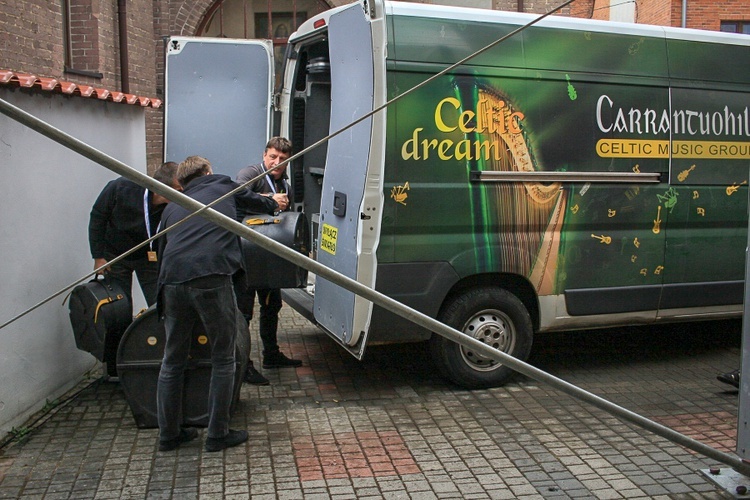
{"x":515,"y":284}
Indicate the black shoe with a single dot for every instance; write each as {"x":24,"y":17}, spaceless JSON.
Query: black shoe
{"x":278,"y":360}
{"x":731,"y":378}
{"x":184,"y":436}
{"x":254,"y":377}
{"x":232,"y":439}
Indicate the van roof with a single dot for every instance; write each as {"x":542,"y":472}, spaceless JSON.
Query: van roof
{"x":484,"y":15}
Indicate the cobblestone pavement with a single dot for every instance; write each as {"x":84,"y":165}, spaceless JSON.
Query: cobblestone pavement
{"x":389,"y":427}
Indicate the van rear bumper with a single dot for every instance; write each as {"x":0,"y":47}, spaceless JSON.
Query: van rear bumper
{"x":299,"y":300}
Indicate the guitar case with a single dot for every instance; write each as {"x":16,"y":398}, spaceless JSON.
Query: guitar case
{"x":99,"y":314}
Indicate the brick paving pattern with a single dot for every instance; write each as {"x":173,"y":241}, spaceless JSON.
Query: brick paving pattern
{"x":389,"y":427}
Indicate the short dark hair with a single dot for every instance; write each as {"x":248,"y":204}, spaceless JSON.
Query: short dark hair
{"x":166,"y":173}
{"x":192,"y":167}
{"x":280,"y":144}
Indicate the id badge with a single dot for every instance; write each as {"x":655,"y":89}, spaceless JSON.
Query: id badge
{"x":151,"y":256}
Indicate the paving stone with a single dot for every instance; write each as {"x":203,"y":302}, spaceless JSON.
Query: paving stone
{"x":389,"y":427}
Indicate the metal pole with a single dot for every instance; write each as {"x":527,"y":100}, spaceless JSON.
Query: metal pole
{"x":366,"y":292}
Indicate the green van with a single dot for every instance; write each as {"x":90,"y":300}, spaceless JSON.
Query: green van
{"x":579,"y":174}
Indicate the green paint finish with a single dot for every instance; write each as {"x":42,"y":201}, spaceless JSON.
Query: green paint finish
{"x":566,"y":101}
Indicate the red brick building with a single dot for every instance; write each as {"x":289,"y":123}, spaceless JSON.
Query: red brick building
{"x":119,"y":44}
{"x":729,"y":15}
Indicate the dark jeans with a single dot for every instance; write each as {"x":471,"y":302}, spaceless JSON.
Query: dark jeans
{"x":147,"y":273}
{"x":211,"y":302}
{"x":270,"y":305}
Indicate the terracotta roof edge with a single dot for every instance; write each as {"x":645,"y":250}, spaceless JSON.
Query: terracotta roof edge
{"x":46,"y":84}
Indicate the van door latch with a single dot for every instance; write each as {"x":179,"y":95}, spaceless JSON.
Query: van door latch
{"x":339,"y":204}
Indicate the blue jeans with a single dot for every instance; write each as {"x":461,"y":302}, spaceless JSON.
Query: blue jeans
{"x":210,"y":301}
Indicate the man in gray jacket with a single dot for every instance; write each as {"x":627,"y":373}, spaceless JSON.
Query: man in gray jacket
{"x":269,"y":183}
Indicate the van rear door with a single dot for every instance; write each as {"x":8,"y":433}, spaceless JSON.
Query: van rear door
{"x":218,"y":101}
{"x":351,"y":199}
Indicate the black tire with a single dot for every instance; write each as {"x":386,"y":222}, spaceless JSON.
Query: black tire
{"x":493,"y":316}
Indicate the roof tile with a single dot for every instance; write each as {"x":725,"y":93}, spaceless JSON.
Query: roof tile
{"x":5,"y":75}
{"x":25,"y":80}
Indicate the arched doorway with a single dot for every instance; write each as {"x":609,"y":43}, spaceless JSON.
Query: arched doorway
{"x":274,"y":20}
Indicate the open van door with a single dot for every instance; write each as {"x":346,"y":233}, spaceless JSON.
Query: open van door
{"x":218,"y":95}
{"x":351,"y":200}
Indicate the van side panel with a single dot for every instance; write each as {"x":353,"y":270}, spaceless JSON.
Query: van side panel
{"x":707,"y":202}
{"x":500,"y":116}
{"x":562,"y":101}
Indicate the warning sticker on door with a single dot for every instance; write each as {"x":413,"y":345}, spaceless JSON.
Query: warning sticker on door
{"x":328,"y":239}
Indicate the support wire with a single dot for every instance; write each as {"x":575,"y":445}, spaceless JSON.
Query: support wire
{"x":355,"y":287}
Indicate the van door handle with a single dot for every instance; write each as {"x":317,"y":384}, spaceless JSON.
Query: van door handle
{"x":339,"y":204}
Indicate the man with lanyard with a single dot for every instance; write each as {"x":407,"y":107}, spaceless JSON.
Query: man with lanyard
{"x":123,"y":216}
{"x":277,"y":150}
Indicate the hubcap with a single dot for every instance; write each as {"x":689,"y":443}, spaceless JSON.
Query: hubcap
{"x":491,"y":327}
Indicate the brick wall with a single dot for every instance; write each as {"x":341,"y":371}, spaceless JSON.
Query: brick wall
{"x":707,"y":14}
{"x":655,"y":12}
{"x":170,"y":18}
{"x":31,"y":37}
{"x":140,"y":37}
{"x":582,"y":9}
{"x":529,"y":6}
{"x":154,"y":118}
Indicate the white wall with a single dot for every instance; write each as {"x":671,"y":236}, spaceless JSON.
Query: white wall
{"x":623,"y":12}
{"x":45,"y":198}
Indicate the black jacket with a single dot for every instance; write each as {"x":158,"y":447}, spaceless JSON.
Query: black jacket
{"x":198,"y":247}
{"x":117,"y":222}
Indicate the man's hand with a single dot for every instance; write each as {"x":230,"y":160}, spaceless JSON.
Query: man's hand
{"x":282,"y":200}
{"x":99,"y":263}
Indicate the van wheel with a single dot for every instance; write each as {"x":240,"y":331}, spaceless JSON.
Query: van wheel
{"x":493,"y":316}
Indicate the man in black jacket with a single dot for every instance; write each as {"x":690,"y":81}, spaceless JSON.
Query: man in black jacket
{"x":124,"y":215}
{"x":197,"y":260}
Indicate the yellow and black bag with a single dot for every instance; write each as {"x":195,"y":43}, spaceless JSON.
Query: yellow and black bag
{"x":99,"y":314}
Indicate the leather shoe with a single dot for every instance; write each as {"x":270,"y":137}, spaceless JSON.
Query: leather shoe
{"x":233,"y":438}
{"x":254,"y":377}
{"x":278,"y":360}
{"x":731,"y":378}
{"x":184,"y":436}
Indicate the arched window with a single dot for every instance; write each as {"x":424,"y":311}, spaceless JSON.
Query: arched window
{"x":258,"y":18}
{"x":274,"y":20}
{"x":81,"y":38}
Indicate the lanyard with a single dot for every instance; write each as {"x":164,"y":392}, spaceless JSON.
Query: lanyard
{"x":272,"y":184}
{"x":148,"y":219}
